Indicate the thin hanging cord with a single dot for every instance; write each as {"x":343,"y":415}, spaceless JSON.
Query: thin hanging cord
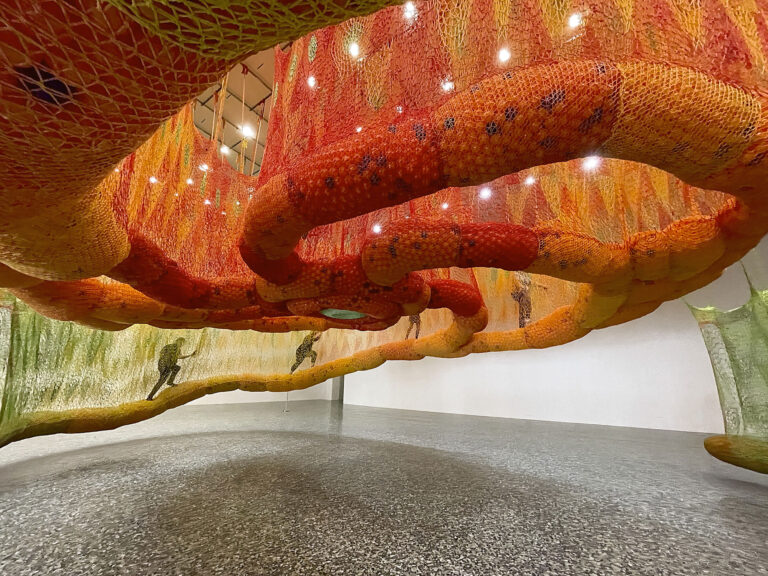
{"x":752,"y":288}
{"x":258,"y":134}
{"x":219,"y":125}
{"x":215,"y":114}
{"x":244,"y":141}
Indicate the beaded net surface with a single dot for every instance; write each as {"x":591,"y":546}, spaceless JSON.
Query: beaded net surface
{"x":440,"y":178}
{"x":737,"y":342}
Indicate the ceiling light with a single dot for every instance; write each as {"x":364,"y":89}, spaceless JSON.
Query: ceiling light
{"x":152,"y":180}
{"x":224,"y":149}
{"x":376,"y":228}
{"x":203,"y":167}
{"x":485,"y":192}
{"x":447,"y":85}
{"x":504,"y":55}
{"x":247,"y":131}
{"x":190,"y":181}
{"x":207,"y":202}
{"x":530,"y":181}
{"x":311,"y":82}
{"x":409,"y":10}
{"x":574,"y":20}
{"x":354,"y":49}
{"x":591,"y":163}
{"x":444,"y":206}
{"x":359,"y":129}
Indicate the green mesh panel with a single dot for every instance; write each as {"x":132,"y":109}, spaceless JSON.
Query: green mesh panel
{"x":737,"y":341}
{"x":50,"y":366}
{"x":235,"y":28}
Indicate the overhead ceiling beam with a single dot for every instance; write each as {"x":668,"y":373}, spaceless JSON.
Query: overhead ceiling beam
{"x":234,"y":146}
{"x":259,"y":78}
{"x":233,"y":95}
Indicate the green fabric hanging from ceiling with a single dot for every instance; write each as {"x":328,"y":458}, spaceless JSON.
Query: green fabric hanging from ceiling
{"x":737,"y":341}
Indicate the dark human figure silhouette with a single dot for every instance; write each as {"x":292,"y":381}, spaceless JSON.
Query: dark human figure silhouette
{"x":168,"y":365}
{"x":523,"y":299}
{"x":415,"y":322}
{"x":305,"y":350}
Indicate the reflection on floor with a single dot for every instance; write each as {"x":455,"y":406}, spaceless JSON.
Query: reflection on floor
{"x":247,"y":489}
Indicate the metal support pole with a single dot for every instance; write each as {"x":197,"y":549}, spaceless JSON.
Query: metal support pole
{"x":337,"y":390}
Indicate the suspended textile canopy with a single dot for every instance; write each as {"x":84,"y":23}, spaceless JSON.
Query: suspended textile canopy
{"x":496,"y":174}
{"x":737,"y":342}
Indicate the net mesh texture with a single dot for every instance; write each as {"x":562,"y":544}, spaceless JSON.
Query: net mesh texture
{"x":737,"y":342}
{"x":440,"y":178}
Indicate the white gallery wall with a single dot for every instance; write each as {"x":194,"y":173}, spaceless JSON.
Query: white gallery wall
{"x":650,"y":373}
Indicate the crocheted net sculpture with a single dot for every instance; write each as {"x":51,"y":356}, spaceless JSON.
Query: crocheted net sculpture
{"x":511,"y":173}
{"x":737,"y":342}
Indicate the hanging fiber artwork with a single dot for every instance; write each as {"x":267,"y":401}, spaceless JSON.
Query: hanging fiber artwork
{"x":737,"y":342}
{"x":495,"y":174}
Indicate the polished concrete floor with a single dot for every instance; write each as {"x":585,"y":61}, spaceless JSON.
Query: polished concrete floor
{"x":246,"y":489}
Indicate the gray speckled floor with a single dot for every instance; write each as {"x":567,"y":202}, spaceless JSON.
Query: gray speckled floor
{"x":247,"y":489}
